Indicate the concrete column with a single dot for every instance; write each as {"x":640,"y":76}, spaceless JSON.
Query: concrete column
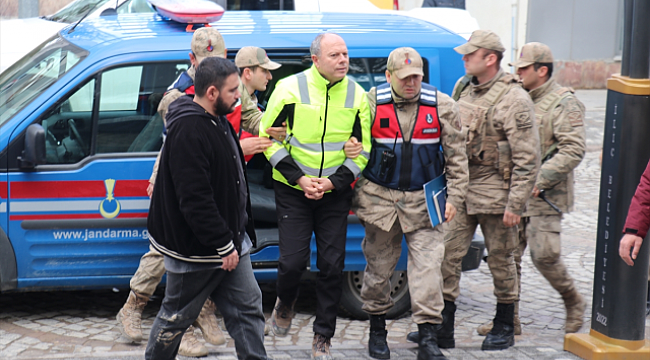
{"x":27,"y":8}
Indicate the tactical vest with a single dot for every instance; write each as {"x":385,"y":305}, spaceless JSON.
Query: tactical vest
{"x":485,"y":146}
{"x":544,"y":117}
{"x":418,"y":160}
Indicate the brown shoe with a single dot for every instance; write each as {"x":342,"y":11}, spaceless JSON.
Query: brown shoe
{"x":207,"y":322}
{"x":575,"y":310}
{"x":320,"y":348}
{"x":129,"y":318}
{"x":281,"y":318}
{"x":190,"y":345}
{"x":485,"y":328}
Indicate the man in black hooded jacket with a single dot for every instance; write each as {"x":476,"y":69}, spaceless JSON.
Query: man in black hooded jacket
{"x":200,"y":219}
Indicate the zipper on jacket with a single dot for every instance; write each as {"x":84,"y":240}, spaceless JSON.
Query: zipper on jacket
{"x":322,"y":139}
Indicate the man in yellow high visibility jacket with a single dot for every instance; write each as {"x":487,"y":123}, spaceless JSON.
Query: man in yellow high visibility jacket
{"x":322,"y":108}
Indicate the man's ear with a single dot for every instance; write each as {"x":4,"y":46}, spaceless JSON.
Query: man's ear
{"x":212,"y":93}
{"x":314,"y":58}
{"x":387,"y":76}
{"x":542,"y":71}
{"x":492,"y":59}
{"x":193,"y":60}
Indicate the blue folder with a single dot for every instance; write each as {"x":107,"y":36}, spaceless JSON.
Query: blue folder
{"x":435,"y":193}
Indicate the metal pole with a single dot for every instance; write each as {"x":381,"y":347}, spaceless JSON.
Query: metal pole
{"x":627,"y":37}
{"x":640,"y":50}
{"x":619,"y":294}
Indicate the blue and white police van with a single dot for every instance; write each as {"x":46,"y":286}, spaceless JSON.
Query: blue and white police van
{"x":79,"y":136}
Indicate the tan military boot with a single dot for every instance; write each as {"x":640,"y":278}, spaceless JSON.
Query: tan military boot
{"x":190,"y":345}
{"x":129,"y":318}
{"x":281,"y":318}
{"x":575,"y":310}
{"x":207,"y":322}
{"x":320,"y":348}
{"x":484,"y":329}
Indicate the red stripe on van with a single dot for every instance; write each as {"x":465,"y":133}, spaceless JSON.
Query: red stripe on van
{"x":76,"y":189}
{"x":3,"y":190}
{"x":73,"y":216}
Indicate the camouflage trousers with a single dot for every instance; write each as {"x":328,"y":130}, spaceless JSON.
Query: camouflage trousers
{"x":542,"y":234}
{"x":149,"y":273}
{"x":425,"y":253}
{"x":501,"y":243}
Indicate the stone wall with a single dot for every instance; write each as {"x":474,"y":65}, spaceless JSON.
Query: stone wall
{"x":586,"y":74}
{"x":9,"y":8}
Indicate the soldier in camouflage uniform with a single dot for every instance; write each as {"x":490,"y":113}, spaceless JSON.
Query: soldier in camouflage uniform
{"x":503,"y":154}
{"x":392,"y":207}
{"x":560,"y":119}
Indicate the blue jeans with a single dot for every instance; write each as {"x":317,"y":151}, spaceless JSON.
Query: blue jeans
{"x":235,"y":293}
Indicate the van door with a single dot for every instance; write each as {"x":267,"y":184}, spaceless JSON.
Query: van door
{"x":80,"y":219}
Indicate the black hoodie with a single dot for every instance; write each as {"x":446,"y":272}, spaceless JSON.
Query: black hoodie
{"x":194,"y":214}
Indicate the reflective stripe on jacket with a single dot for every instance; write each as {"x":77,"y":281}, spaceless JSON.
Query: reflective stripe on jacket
{"x":320,"y":118}
{"x":417,"y":160}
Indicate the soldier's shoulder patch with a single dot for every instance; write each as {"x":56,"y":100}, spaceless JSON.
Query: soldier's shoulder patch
{"x":575,"y":118}
{"x":523,"y":120}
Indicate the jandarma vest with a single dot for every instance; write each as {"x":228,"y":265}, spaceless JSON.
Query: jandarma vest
{"x":417,"y":160}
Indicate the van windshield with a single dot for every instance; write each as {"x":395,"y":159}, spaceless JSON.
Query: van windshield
{"x":34,"y":73}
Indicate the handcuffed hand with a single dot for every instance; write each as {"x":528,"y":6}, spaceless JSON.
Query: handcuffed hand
{"x":309,"y":188}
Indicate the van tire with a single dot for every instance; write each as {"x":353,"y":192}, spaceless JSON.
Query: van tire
{"x":350,"y":305}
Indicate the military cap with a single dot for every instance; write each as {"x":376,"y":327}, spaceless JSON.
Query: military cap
{"x":404,"y":61}
{"x":253,"y":56}
{"x":532,"y":53}
{"x":207,"y":42}
{"x":485,"y":39}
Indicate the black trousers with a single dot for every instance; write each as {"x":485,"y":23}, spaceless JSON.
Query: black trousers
{"x":298,"y":218}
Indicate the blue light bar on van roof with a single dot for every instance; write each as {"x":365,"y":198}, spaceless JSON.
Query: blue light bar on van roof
{"x":188,"y":11}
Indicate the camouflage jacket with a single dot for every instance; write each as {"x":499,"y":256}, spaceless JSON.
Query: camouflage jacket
{"x":560,"y":118}
{"x":250,"y":113}
{"x":381,"y":206}
{"x":502,"y":145}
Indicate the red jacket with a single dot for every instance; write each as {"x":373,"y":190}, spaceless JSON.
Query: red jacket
{"x":638,"y":216}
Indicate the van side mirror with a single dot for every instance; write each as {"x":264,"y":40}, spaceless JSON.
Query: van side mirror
{"x":34,"y":151}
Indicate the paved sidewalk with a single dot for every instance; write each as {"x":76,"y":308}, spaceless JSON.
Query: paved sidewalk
{"x":81,"y":325}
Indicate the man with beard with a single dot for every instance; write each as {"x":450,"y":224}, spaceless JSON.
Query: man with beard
{"x":200,"y":219}
{"x":206,"y":42}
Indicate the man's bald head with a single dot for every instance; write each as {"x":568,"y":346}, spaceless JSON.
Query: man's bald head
{"x":330,"y":56}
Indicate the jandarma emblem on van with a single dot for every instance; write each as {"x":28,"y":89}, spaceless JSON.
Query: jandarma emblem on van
{"x":109,"y":207}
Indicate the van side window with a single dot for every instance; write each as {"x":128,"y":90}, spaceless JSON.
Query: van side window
{"x":125,"y":119}
{"x":128,"y":119}
{"x":68,"y":127}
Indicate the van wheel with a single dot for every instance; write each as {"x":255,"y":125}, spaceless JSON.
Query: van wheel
{"x":351,"y":297}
